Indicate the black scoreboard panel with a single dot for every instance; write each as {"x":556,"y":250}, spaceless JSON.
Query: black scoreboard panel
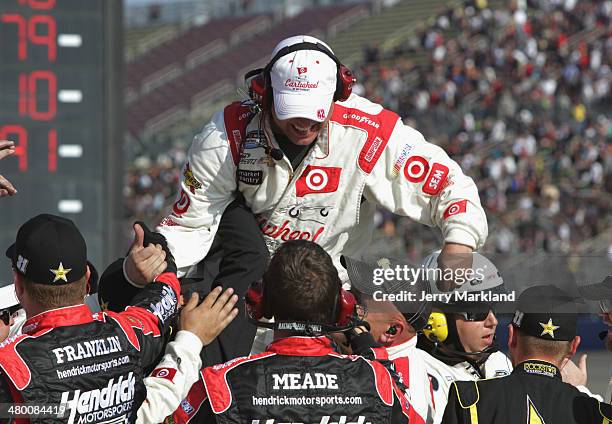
{"x":60,"y":102}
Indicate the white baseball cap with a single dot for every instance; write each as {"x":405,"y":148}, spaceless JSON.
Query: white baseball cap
{"x":303,"y":82}
{"x":8,"y":297}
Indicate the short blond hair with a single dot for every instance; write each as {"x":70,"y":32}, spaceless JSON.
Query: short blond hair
{"x":536,"y":347}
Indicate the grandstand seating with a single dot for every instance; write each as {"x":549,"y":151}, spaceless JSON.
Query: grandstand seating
{"x":140,"y":40}
{"x":403,"y":17}
{"x":229,"y":66}
{"x":180,"y":52}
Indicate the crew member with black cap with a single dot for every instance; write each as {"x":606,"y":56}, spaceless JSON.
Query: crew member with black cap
{"x":91,"y":363}
{"x":602,"y":293}
{"x":542,"y":339}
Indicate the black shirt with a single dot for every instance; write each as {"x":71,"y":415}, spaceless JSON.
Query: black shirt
{"x":533,"y":393}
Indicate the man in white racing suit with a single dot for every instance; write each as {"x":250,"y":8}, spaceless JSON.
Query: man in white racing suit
{"x":313,"y":166}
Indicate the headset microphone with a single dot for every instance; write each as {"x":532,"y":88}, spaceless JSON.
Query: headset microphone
{"x":392,"y":330}
{"x":277,"y":154}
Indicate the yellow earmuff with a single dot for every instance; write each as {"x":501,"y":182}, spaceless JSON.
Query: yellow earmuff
{"x":436,"y":329}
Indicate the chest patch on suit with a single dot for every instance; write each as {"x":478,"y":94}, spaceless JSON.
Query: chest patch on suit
{"x":318,"y":179}
{"x":250,"y":177}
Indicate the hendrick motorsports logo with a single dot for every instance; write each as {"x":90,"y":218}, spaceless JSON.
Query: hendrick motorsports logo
{"x":101,"y":404}
{"x":167,"y":306}
{"x":326,"y":419}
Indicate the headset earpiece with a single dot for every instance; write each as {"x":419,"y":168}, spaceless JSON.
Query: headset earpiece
{"x":257,"y":87}
{"x":346,"y":308}
{"x":255,"y":301}
{"x":256,"y":304}
{"x":392,"y":330}
{"x":344,"y":83}
{"x":436,"y":329}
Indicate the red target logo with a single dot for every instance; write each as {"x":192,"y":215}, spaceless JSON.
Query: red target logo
{"x":416,"y":169}
{"x":318,"y":179}
{"x":455,"y":208}
{"x":166,"y":373}
{"x":182,"y":204}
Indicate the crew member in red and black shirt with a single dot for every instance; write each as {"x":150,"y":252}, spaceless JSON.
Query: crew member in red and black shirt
{"x":90,"y":363}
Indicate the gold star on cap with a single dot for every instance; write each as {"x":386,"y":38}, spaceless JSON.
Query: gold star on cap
{"x":103,"y":305}
{"x":60,"y":273}
{"x":549,"y":328}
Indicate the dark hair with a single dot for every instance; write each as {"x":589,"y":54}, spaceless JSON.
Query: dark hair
{"x":302,"y":283}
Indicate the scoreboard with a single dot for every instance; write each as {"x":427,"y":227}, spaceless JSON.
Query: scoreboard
{"x":61,"y":103}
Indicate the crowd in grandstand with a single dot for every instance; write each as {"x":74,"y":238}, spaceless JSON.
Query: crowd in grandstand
{"x":514,"y":94}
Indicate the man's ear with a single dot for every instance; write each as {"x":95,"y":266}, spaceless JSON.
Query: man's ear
{"x":19,"y":288}
{"x":512,"y":337}
{"x":87,"y":277}
{"x":394,"y":331}
{"x":574,"y":346}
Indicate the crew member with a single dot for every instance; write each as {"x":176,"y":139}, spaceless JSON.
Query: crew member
{"x":299,"y":378}
{"x":90,"y":363}
{"x":542,"y":339}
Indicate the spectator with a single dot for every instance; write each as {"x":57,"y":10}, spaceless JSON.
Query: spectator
{"x":7,"y":148}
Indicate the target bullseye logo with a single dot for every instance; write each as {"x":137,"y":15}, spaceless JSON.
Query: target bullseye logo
{"x":416,"y":169}
{"x":163,"y":373}
{"x":167,"y":373}
{"x":182,"y":204}
{"x":318,"y":179}
{"x":455,"y":208}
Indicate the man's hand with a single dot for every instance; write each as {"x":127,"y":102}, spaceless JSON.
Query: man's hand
{"x":575,"y":375}
{"x":144,"y":264}
{"x":211,"y":317}
{"x":7,"y":148}
{"x":453,"y":257}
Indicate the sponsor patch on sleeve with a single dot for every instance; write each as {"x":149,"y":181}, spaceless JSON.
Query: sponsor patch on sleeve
{"x":190,"y":180}
{"x":435,"y":180}
{"x":182,"y":204}
{"x":165,"y":373}
{"x":416,"y":169}
{"x":455,"y":208}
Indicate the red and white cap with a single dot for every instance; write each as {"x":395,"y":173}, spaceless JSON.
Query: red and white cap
{"x":303,"y":82}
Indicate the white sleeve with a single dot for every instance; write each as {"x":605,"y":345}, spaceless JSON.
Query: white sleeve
{"x":419,"y":180}
{"x":207,"y":186}
{"x":171,"y":380}
{"x":586,"y":391}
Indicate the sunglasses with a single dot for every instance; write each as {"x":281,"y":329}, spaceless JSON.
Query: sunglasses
{"x":7,"y":313}
{"x":474,"y":316}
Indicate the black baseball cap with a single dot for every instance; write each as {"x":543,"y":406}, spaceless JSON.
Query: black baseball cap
{"x":546,"y":312}
{"x":49,"y":250}
{"x":361,"y":275}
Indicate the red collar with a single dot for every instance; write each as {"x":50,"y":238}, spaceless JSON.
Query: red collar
{"x":301,"y":346}
{"x":62,"y":317}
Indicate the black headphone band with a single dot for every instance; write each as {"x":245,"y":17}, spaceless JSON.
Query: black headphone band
{"x":301,"y":46}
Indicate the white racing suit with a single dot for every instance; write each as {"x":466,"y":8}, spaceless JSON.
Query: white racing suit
{"x":365,"y":157}
{"x":442,"y":375}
